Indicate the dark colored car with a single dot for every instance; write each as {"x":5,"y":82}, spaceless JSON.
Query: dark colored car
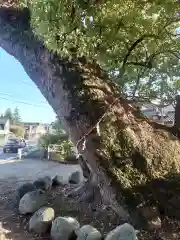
{"x":13,"y":145}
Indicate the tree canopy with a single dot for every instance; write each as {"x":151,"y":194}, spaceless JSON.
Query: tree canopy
{"x":137,"y":42}
{"x":8,"y":114}
{"x":57,"y":127}
{"x":14,"y":116}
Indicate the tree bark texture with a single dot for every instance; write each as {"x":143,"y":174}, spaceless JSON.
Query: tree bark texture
{"x":177,"y":117}
{"x":129,"y":156}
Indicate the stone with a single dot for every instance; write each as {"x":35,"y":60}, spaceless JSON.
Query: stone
{"x":57,"y":180}
{"x":63,"y":228}
{"x":23,"y":189}
{"x":31,"y":202}
{"x":122,"y":232}
{"x":44,"y":183}
{"x":87,"y":232}
{"x":75,"y":178}
{"x":154,"y":224}
{"x":149,"y":212}
{"x":41,"y":220}
{"x":151,"y":216}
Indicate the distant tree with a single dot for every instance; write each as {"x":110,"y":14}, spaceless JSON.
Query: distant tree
{"x":57,"y":126}
{"x":8,"y":114}
{"x":16,"y":116}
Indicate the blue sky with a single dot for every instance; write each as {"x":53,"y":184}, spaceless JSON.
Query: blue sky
{"x":17,"y":87}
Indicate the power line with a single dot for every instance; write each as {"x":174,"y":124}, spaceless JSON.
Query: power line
{"x":23,"y":82}
{"x":9,"y":95}
{"x":26,"y":83}
{"x":26,"y":103}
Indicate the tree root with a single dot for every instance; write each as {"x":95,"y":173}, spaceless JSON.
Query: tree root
{"x":88,"y":192}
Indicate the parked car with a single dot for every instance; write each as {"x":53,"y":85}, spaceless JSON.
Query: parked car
{"x":13,"y":145}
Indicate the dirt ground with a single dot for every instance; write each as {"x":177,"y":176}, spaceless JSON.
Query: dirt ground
{"x":15,"y":227}
{"x":12,"y":174}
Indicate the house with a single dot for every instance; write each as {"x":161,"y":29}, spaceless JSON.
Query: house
{"x":34,"y":130}
{"x":163,"y":115}
{"x":4,"y":130}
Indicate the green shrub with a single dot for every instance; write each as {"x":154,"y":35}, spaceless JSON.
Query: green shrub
{"x":18,"y":130}
{"x":59,"y":145}
{"x":62,"y":151}
{"x":48,"y":139}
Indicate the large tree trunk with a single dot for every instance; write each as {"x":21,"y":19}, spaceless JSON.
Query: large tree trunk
{"x":125,"y":151}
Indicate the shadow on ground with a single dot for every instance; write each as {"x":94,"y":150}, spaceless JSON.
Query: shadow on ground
{"x":162,"y":192}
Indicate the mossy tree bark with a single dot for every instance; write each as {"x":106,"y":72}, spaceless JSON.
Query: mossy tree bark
{"x":128,"y":153}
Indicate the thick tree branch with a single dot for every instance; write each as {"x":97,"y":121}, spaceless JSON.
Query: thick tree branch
{"x":133,"y":46}
{"x":149,"y":62}
{"x":131,"y":150}
{"x":171,"y":21}
{"x":141,"y":64}
{"x":139,"y":76}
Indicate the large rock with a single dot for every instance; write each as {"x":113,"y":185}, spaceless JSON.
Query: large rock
{"x":63,"y":228}
{"x":122,"y":232}
{"x":57,"y":180}
{"x":31,"y":202}
{"x":154,"y":224}
{"x":23,"y":189}
{"x":151,"y":217}
{"x":87,"y":232}
{"x":75,"y":177}
{"x":44,"y":183}
{"x":41,"y":220}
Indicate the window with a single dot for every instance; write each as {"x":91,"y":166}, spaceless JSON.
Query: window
{"x":2,"y":126}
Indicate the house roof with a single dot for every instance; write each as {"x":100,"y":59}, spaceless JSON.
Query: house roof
{"x":151,"y":106}
{"x":3,"y":120}
{"x":168,"y":111}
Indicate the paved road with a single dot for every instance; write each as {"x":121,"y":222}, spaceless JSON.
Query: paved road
{"x":6,"y":156}
{"x":31,"y":169}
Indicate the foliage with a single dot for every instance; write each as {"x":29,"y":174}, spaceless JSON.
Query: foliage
{"x":58,"y":141}
{"x":13,"y":116}
{"x":8,"y":114}
{"x":60,"y":145}
{"x":18,"y":130}
{"x":56,"y":137}
{"x":47,"y":139}
{"x":62,"y":151}
{"x":137,"y":42}
{"x":58,"y":127}
{"x":16,"y":116}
